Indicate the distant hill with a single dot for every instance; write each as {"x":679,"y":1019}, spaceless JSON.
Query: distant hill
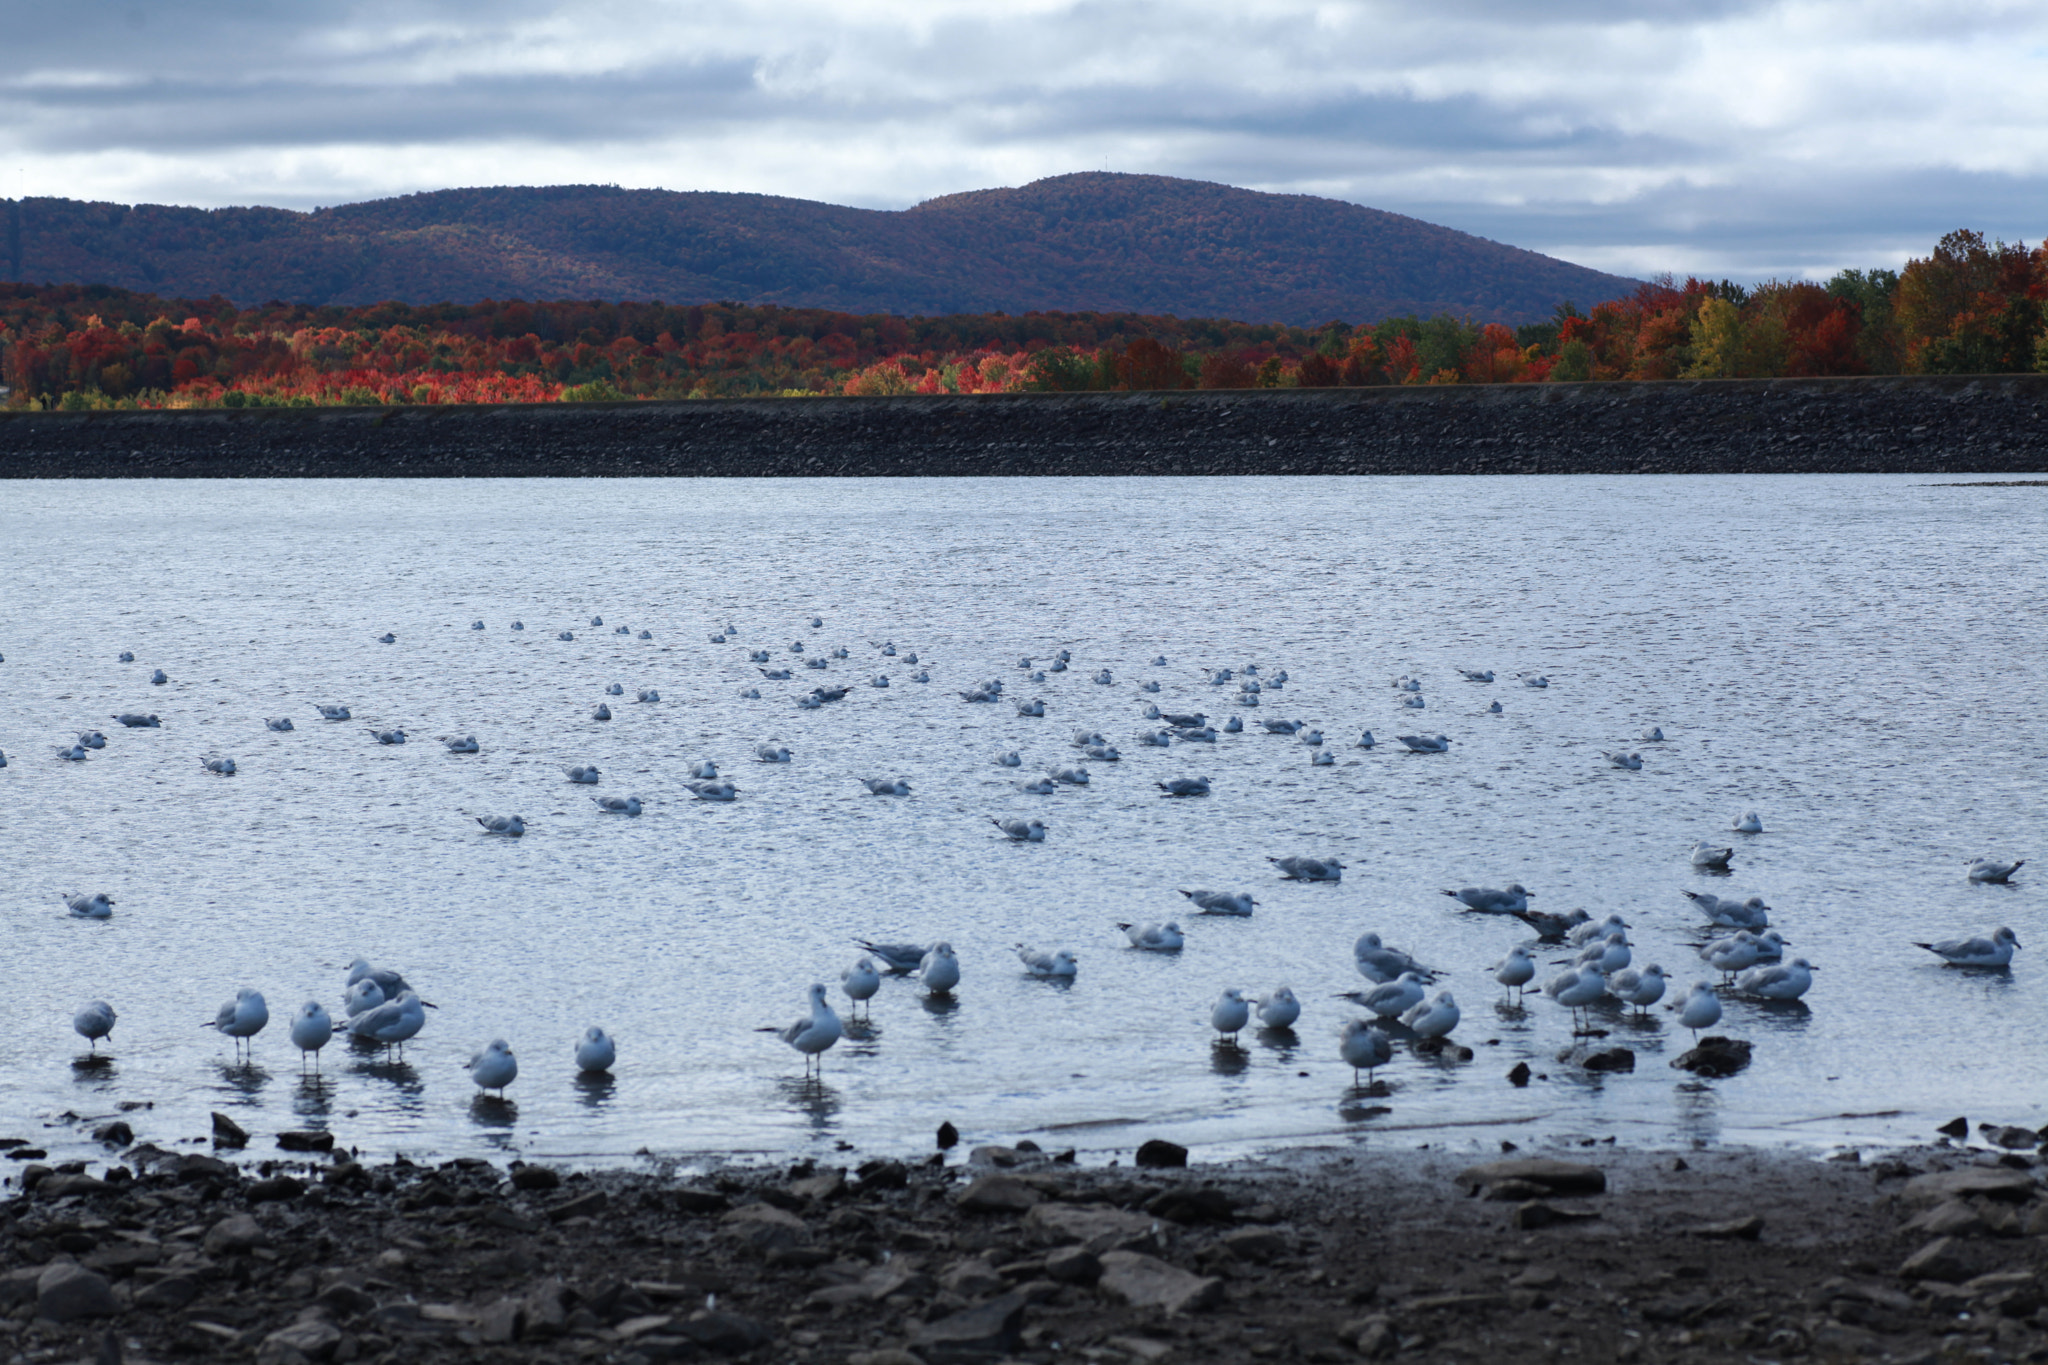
{"x":1095,"y":241}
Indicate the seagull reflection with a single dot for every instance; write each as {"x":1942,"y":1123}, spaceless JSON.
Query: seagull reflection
{"x":493,"y":1112}
{"x":595,"y":1089}
{"x":244,"y":1078}
{"x":814,"y":1099}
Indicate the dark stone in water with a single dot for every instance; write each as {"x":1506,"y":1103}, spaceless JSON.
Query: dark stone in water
{"x":949,"y":1136}
{"x":1611,"y":1059}
{"x":1715,"y":1057}
{"x":1520,"y":1075}
{"x":1159,"y":1152}
{"x":1955,"y":1127}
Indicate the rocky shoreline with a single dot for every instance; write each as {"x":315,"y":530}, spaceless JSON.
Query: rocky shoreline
{"x":1937,"y":1254}
{"x":1919,"y":424}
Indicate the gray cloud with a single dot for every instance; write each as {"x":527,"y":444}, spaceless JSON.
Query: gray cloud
{"x":1741,"y":137}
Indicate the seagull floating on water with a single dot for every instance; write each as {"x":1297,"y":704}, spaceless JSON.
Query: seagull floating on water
{"x":1748,"y":823}
{"x":510,"y":825}
{"x":582,"y":772}
{"x":712,"y":791}
{"x":771,"y":753}
{"x":1981,"y":951}
{"x":1477,"y":675}
{"x":1038,"y":786}
{"x":92,"y":739}
{"x":1732,"y":914}
{"x":1514,"y":896}
{"x":1021,"y":831}
{"x":1297,"y":869}
{"x":225,"y":767}
{"x":99,"y":905}
{"x":1184,"y":786}
{"x":462,"y":744}
{"x":1981,"y":869}
{"x":1059,"y":966}
{"x":1426,"y":744}
{"x":618,"y":805}
{"x":595,"y":1051}
{"x":886,"y":786}
{"x":1707,"y":856}
{"x":125,"y":657}
{"x":283,"y":724}
{"x":326,"y":713}
{"x":387,"y":736}
{"x":1155,"y":937}
{"x":1222,"y":902}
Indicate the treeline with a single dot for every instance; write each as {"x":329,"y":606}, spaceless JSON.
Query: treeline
{"x":1969,"y":307}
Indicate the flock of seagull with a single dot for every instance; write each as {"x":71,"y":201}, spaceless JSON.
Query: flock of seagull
{"x":381,"y":1010}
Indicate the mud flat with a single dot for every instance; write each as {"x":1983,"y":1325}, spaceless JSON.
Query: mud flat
{"x":1589,"y":1253}
{"x":1917,"y":425}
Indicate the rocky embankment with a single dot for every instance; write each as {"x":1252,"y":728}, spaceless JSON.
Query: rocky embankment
{"x":1424,"y":1255}
{"x":1923,"y":425}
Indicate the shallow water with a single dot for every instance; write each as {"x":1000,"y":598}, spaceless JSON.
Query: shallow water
{"x":1857,"y":658}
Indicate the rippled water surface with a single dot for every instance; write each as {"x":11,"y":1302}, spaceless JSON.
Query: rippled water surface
{"x":1857,"y":658}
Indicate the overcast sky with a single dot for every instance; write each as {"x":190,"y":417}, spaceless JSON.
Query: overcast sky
{"x":1779,"y":138}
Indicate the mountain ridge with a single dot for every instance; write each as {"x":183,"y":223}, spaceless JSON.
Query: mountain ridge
{"x":1088,"y":241}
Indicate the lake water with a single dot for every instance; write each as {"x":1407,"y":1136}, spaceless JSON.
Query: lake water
{"x":1859,"y":659}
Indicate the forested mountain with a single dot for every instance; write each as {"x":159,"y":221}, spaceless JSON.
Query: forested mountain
{"x":1088,"y":242}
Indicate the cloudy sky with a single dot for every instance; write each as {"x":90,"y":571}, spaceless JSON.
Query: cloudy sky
{"x":1720,"y":137}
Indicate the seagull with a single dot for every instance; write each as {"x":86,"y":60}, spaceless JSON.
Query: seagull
{"x":391,"y":1023}
{"x":1076,"y":777}
{"x":1639,"y":988}
{"x":223,"y":766}
{"x":645,"y":635}
{"x":1981,"y":869}
{"x":860,"y":982}
{"x":1233,"y":726}
{"x":242,"y":1017}
{"x":1538,"y":681}
{"x":885,"y":786}
{"x":1707,"y":856}
{"x":362,"y":997}
{"x":326,"y":713}
{"x":1433,"y":1019}
{"x":1551,"y":927}
{"x":1102,"y":676}
{"x":519,"y":625}
{"x":99,"y":905}
{"x":126,"y":657}
{"x":1515,"y":971}
{"x":1309,"y":869}
{"x":92,"y":739}
{"x":775,"y":674}
{"x":495,"y":1067}
{"x":387,"y":638}
{"x":940,"y":969}
{"x":595,"y":1051}
{"x":1103,"y":753}
{"x":311,"y":1028}
{"x":1414,"y":702}
{"x":388,"y":983}
{"x":615,"y":690}
{"x":618,"y":805}
{"x":282,"y":724}
{"x":1995,"y":951}
{"x":1632,"y":762}
{"x":1231,"y":1014}
{"x":897,"y":957}
{"x":476,"y":625}
{"x":1426,"y":744}
{"x":770,"y":753}
{"x":135,"y":721}
{"x":1364,"y":1048}
{"x":1393,"y":998}
{"x":1730,"y":913}
{"x":1322,"y":758}
{"x":1059,"y":966}
{"x":1221,"y":902}
{"x":582,"y":772}
{"x":510,"y":825}
{"x":1366,"y":741}
{"x":1748,"y":823}
{"x":1281,"y":727}
{"x":159,"y":677}
{"x":1488,"y":901}
{"x":879,"y":680}
{"x":712,"y":791}
{"x":1731,"y":955}
{"x":1184,"y":720}
{"x":1039,"y":786}
{"x":1278,"y":1010}
{"x":1155,"y":936}
{"x":602,"y":712}
{"x":1378,"y":963}
{"x":72,"y":753}
{"x":1700,"y":1008}
{"x":1084,"y":738}
{"x":94,"y":1021}
{"x":1788,"y":981}
{"x":597,"y":620}
{"x":1184,"y":786}
{"x":703,"y":767}
{"x":1576,"y":987}
{"x":1021,"y":831}
{"x":565,"y":635}
{"x":1494,"y":709}
{"x":1404,"y":683}
{"x":1477,"y":675}
{"x":1584,"y":933}
{"x":1202,"y":736}
{"x":387,"y":736}
{"x":461,"y":744}
{"x":1034,"y":707}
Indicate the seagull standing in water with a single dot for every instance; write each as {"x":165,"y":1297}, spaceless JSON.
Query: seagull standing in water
{"x":1700,"y":1008}
{"x":595,"y":1051}
{"x":940,"y":969}
{"x":1515,"y":971}
{"x":94,"y":1021}
{"x":860,"y":982}
{"x":1364,"y":1048}
{"x":495,"y":1067}
{"x":311,"y":1028}
{"x":1279,"y":1010}
{"x":391,"y":1023}
{"x":811,"y":1034}
{"x":241,"y":1018}
{"x":1231,"y":1014}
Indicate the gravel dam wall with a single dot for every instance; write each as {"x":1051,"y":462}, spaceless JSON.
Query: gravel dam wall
{"x":1921,"y":424}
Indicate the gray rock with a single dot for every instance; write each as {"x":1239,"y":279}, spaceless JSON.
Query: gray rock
{"x":986,"y":1327}
{"x":62,"y":1184}
{"x":1073,"y":1265}
{"x":1950,"y":1218}
{"x":115,"y":1134}
{"x":1990,"y":1182}
{"x":1944,"y":1258}
{"x":993,"y":1155}
{"x":1735,"y":1229}
{"x":66,"y":1293}
{"x":998,"y":1194}
{"x":234,"y":1234}
{"x":535,"y":1179}
{"x":1558,"y":1177}
{"x":18,"y":1286}
{"x":1147,"y":1282}
{"x":169,"y":1294}
{"x":1096,"y":1227}
{"x":1256,"y":1245}
{"x":500,"y":1323}
{"x":312,"y":1340}
{"x":975,"y":1279}
{"x":1537,"y":1214}
{"x":1160,"y":1153}
{"x":582,"y":1206}
{"x":305,"y":1140}
{"x":228,"y":1133}
{"x":725,"y":1333}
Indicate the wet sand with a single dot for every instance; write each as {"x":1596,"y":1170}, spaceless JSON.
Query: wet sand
{"x":1589,"y":1253}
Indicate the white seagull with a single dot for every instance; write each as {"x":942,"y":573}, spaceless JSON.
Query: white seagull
{"x":1021,"y":831}
{"x":1706,"y":855}
{"x":1787,"y":981}
{"x":495,"y":1067}
{"x":1155,"y":936}
{"x":1485,"y":899}
{"x":1279,"y":1010}
{"x":595,"y":1051}
{"x":1990,"y":870}
{"x":311,"y":1028}
{"x":1059,"y":966}
{"x":511,"y":826}
{"x":1994,"y":951}
{"x":1231,"y":1014}
{"x":940,"y":969}
{"x":1222,"y":902}
{"x":242,"y":1017}
{"x":94,"y":1021}
{"x":1364,"y":1048}
{"x":1426,"y":744}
